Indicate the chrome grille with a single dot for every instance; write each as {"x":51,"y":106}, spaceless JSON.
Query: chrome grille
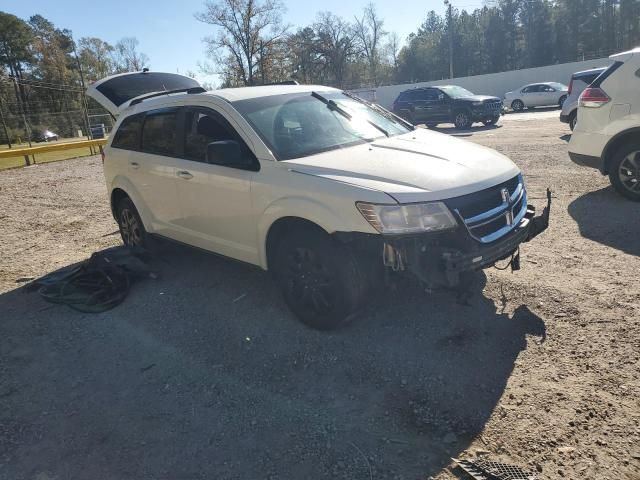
{"x":492,"y":213}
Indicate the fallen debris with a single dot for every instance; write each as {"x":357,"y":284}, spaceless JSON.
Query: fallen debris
{"x":482,"y":469}
{"x":97,"y":284}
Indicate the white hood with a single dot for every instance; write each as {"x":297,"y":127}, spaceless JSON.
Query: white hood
{"x":418,"y":166}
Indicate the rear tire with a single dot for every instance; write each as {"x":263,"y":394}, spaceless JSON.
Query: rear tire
{"x":131,"y":227}
{"x":462,"y":120}
{"x":563,"y":98}
{"x":573,"y":120}
{"x":624,"y":171}
{"x":517,"y":105}
{"x":321,"y":279}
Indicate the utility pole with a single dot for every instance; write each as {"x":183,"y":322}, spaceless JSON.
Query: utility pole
{"x":450,"y":25}
{"x":27,"y":129}
{"x":4,"y":124}
{"x":83,"y":98}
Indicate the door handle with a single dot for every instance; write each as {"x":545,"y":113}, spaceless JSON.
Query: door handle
{"x":184,"y":174}
{"x":135,"y":165}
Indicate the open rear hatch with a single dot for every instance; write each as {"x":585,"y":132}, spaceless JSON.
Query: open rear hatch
{"x":116,"y":92}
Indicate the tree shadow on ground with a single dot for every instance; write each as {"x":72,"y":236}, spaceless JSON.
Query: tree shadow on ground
{"x":204,"y":373}
{"x":606,"y":217}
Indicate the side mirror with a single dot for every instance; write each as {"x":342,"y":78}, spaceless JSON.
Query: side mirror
{"x":229,"y":153}
{"x":441,"y":96}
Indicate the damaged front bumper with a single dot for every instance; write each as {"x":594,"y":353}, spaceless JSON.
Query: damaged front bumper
{"x":440,"y":259}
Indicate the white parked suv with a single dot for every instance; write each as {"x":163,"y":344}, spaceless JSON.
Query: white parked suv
{"x":321,"y":188}
{"x":536,"y":95}
{"x":607,"y":135}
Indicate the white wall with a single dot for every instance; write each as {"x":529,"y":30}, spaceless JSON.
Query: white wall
{"x":496,"y":84}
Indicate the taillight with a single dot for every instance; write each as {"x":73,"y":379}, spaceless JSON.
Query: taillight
{"x":593,"y":97}
{"x":570,"y":87}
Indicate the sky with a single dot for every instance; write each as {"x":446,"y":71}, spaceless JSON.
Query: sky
{"x":171,"y":36}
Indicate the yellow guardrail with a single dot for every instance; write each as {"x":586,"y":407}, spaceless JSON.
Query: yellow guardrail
{"x":26,"y":152}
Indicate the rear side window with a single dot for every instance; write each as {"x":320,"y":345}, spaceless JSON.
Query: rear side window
{"x":160,"y":132}
{"x":128,"y":134}
{"x":587,"y":78}
{"x":604,"y":75}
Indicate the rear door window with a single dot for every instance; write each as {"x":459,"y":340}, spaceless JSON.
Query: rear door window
{"x":160,"y":132}
{"x":128,"y":134}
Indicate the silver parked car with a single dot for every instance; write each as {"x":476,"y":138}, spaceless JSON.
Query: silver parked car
{"x":579,"y":81}
{"x":536,"y":95}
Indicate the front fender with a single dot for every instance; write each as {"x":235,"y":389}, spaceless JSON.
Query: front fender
{"x":329,"y":219}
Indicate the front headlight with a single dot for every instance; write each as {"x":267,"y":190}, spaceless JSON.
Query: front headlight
{"x":477,"y":104}
{"x":410,"y":218}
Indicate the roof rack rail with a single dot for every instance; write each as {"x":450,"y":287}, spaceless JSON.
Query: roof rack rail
{"x":168,"y":92}
{"x":285,"y":82}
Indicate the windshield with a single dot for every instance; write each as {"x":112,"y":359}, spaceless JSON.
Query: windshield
{"x":456,"y":92}
{"x":302,"y":124}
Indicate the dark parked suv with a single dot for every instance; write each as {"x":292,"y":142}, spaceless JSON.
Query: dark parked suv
{"x":447,"y":104}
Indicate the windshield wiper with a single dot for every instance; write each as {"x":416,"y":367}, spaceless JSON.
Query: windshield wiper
{"x":392,"y":117}
{"x":332,"y":105}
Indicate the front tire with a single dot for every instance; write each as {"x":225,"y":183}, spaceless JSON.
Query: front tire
{"x":131,"y":227}
{"x":462,"y":120}
{"x":321,"y":279}
{"x":517,"y":105}
{"x":624,"y":171}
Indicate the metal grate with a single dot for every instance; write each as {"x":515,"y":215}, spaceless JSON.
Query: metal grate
{"x":485,"y":470}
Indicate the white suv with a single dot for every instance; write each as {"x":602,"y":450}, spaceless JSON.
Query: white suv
{"x":607,"y":135}
{"x":322,"y":188}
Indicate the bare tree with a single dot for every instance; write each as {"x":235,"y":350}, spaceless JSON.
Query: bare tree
{"x":393,"y":49}
{"x":369,"y":32}
{"x":335,"y":43}
{"x":247,"y":30}
{"x":127,"y":56}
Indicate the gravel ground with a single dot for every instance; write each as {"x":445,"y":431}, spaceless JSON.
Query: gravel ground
{"x":204,"y":373}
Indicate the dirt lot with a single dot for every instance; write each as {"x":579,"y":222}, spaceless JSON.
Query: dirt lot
{"x":203,"y":373}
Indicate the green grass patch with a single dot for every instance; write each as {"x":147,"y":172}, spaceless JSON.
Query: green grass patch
{"x":13,"y":162}
{"x":18,"y":161}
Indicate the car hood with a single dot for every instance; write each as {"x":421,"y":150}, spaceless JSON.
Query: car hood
{"x":478,"y":98}
{"x":418,"y":166}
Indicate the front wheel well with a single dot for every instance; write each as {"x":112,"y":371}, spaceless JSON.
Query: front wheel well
{"x":116,"y":197}
{"x":282,"y":227}
{"x":615,"y":144}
